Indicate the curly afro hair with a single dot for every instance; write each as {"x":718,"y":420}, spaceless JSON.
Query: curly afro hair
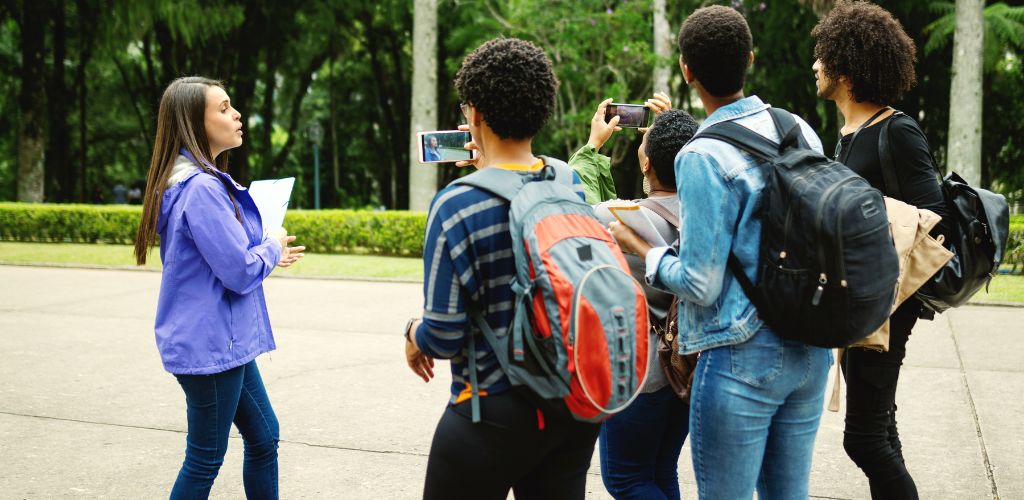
{"x":867,"y":45}
{"x":511,"y":83}
{"x":669,"y":133}
{"x":715,"y":43}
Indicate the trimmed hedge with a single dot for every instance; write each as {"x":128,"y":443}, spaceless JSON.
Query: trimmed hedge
{"x":324,"y":231}
{"x":69,"y":223}
{"x":358,"y":231}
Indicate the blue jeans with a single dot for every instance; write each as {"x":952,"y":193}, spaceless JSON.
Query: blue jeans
{"x":214,"y":402}
{"x":754,"y":413}
{"x":640,"y":447}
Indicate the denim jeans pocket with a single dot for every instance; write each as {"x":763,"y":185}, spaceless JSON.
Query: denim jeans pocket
{"x":757,"y":361}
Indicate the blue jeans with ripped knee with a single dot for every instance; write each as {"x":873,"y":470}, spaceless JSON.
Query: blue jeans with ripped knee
{"x":754,"y":414}
{"x":215,"y":402}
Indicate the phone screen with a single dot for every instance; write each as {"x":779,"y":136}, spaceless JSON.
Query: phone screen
{"x":443,"y":146}
{"x":630,"y":115}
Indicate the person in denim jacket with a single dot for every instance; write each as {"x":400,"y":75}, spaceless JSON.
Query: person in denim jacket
{"x":211,"y":320}
{"x":757,"y":398}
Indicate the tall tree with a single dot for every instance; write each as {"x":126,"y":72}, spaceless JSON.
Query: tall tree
{"x":662,"y":48}
{"x":423,"y":179}
{"x":32,"y":103}
{"x":60,"y":184}
{"x":965,"y":94}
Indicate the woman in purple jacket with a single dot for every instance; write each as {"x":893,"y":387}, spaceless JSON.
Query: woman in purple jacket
{"x":211,"y":319}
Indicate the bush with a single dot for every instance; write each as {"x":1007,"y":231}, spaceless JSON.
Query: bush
{"x":358,"y":231}
{"x":324,"y":231}
{"x":1014,"y":256}
{"x":69,"y":223}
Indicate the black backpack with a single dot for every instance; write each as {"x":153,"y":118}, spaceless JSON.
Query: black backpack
{"x":982,"y":221}
{"x":827,"y":270}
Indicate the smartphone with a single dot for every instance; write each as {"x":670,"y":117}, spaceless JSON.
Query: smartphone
{"x":630,"y":115}
{"x":444,"y":146}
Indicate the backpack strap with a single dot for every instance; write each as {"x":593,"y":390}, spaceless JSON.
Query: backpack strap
{"x":744,"y":281}
{"x":892,"y":184}
{"x":660,"y":209}
{"x":497,"y":181}
{"x":756,"y":144}
{"x":506,"y":183}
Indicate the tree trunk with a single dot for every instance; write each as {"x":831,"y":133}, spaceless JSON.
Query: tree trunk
{"x":87,"y":40}
{"x":32,"y":103}
{"x":662,"y":48}
{"x":965,"y":99}
{"x":61,"y":180}
{"x":423,"y":178}
{"x":333,"y":104}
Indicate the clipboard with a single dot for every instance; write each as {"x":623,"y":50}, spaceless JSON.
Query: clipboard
{"x":271,"y":197}
{"x":634,"y":217}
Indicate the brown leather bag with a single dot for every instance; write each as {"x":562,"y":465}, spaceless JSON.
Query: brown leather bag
{"x":678,"y":368}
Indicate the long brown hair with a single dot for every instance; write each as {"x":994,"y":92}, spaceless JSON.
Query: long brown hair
{"x":180,"y":123}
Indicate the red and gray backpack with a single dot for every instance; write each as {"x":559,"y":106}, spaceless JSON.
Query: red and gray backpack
{"x":578,"y":339}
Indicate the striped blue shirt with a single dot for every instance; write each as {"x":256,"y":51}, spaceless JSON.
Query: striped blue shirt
{"x":467,"y":258}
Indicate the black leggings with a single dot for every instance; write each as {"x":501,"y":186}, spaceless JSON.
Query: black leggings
{"x":508,"y":451}
{"x":870,"y":438}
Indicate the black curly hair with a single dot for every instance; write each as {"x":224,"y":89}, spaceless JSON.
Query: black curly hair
{"x":715,"y":43}
{"x":866,"y":44}
{"x":511,"y":83}
{"x":671,"y":130}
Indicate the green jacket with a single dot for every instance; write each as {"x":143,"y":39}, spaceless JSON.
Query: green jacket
{"x":595,"y":171}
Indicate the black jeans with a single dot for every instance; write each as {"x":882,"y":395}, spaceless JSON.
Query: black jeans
{"x":508,"y":450}
{"x":871,"y":439}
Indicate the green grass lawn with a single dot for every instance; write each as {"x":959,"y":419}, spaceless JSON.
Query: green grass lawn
{"x":1004,"y":288}
{"x":312,"y":265}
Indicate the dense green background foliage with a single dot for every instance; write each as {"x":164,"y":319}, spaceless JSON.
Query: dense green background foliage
{"x":347,"y":65}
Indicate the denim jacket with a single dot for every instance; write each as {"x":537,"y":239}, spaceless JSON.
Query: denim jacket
{"x":719,"y":190}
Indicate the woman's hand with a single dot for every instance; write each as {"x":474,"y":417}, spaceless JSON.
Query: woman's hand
{"x":420,"y":364}
{"x":628,"y":240}
{"x":289,"y":255}
{"x":600,"y":130}
{"x":471,"y":145}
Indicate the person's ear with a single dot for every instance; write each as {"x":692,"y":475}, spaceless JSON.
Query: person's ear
{"x":750,"y":62}
{"x":646,"y":165}
{"x":475,"y":116}
{"x":687,"y":73}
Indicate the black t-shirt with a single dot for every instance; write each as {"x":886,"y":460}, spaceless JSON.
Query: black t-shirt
{"x":911,"y":156}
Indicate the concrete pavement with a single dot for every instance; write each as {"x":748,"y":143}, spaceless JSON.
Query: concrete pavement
{"x":86,"y":410}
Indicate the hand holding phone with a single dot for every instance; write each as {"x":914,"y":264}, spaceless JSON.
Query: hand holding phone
{"x":630,"y":115}
{"x":600,"y":128}
{"x":444,"y":146}
{"x":471,"y":145}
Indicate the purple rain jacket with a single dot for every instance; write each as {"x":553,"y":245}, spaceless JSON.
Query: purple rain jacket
{"x":211,"y":315}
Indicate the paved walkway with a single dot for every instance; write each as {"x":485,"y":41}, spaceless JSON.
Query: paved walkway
{"x":87,"y":412}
